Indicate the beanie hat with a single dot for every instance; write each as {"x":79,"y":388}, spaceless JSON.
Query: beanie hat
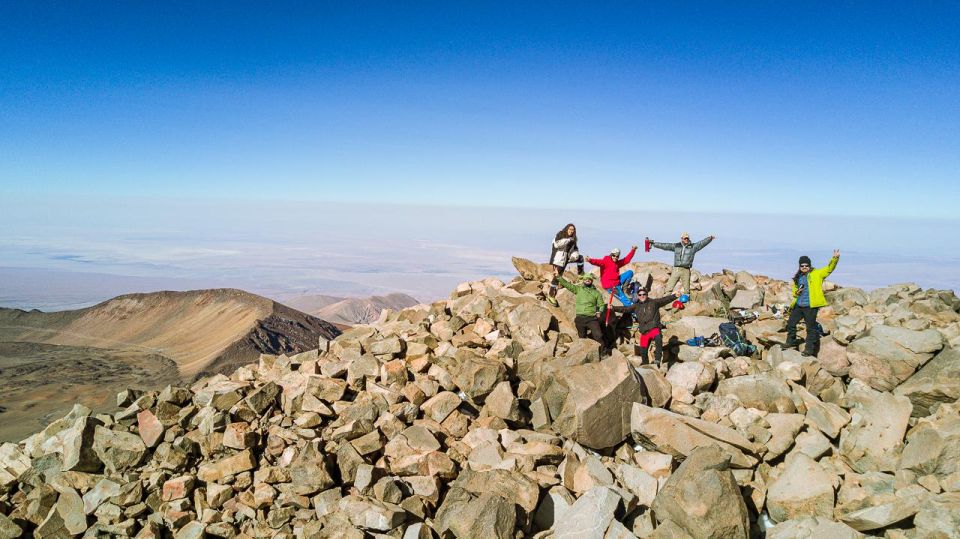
{"x":615,"y":251}
{"x":805,"y":260}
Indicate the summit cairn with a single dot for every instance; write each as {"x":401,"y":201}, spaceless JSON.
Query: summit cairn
{"x":484,"y":415}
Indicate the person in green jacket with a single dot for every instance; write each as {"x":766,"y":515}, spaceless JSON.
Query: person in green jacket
{"x":807,"y":300}
{"x":589,"y":305}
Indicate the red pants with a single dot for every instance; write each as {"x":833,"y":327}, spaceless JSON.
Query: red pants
{"x":645,"y":338}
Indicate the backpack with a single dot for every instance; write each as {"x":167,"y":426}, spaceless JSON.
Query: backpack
{"x":732,"y":339}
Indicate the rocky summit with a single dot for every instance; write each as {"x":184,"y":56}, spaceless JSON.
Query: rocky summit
{"x":485,"y":416}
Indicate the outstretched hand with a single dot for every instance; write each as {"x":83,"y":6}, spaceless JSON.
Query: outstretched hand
{"x":836,"y":253}
{"x":633,"y":247}
{"x":712,"y":238}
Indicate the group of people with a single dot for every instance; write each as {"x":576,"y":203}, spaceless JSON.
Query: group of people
{"x":591,"y":308}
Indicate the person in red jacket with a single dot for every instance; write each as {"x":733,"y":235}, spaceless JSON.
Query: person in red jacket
{"x":610,"y":278}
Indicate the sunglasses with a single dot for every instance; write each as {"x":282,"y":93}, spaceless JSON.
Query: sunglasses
{"x":641,"y":293}
{"x":804,"y":265}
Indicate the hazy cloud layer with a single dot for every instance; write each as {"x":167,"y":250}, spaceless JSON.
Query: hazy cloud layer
{"x":64,"y":255}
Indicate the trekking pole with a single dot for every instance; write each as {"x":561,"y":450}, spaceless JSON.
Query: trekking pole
{"x":609,"y":306}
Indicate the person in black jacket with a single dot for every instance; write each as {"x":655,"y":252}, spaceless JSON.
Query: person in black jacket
{"x":563,"y":251}
{"x":646,"y":313}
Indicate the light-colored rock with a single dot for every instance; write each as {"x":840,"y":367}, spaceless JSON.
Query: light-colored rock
{"x":939,"y":517}
{"x":936,"y":383}
{"x":765,"y":391}
{"x":590,"y":515}
{"x":118,"y":450}
{"x":679,"y":435}
{"x":887,"y":356}
{"x":703,"y":499}
{"x":874,"y":438}
{"x":803,"y":489}
{"x":812,"y":528}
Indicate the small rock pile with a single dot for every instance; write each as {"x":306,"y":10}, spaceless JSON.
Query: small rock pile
{"x":485,"y":416}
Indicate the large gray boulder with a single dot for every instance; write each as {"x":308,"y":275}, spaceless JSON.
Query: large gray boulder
{"x":873,"y":439}
{"x":933,"y":445}
{"x":703,"y":499}
{"x":599,"y":396}
{"x":936,"y":383}
{"x":887,"y":356}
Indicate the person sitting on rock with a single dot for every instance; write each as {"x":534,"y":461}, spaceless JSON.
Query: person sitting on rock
{"x":646,"y":313}
{"x":683,"y":254}
{"x":610,"y":278}
{"x":589,"y":304}
{"x":564,"y":251}
{"x":807,"y":299}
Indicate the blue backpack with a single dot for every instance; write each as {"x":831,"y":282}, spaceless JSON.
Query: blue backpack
{"x":732,"y":339}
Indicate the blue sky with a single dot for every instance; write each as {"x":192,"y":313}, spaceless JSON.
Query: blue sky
{"x":845,"y":108}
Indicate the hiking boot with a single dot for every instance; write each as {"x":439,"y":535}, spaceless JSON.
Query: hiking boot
{"x":792,"y":344}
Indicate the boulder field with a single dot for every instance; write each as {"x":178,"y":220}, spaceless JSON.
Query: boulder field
{"x":484,"y":416}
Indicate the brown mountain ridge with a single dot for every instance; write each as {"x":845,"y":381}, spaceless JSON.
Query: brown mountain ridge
{"x":48,"y":360}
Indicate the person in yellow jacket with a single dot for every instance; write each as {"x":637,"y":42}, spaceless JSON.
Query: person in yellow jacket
{"x":807,"y":300}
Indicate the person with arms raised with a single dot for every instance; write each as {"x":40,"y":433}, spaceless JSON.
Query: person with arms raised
{"x":683,"y":254}
{"x":588,"y":306}
{"x":610,"y":278}
{"x":807,"y":299}
{"x":646,"y":313}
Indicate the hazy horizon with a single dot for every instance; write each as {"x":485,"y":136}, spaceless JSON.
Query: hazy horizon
{"x":49,"y":261}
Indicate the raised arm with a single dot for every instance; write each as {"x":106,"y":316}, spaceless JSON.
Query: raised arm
{"x":567,"y":284}
{"x":665,"y":300}
{"x":595,"y":261}
{"x":664,"y":246}
{"x":703,"y":243}
{"x":832,"y":265}
{"x":626,"y":260}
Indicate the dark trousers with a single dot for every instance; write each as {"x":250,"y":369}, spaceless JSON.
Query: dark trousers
{"x":809,"y":317}
{"x":585,"y":324}
{"x":657,"y":344}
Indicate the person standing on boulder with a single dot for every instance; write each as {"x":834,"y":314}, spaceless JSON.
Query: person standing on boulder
{"x":807,"y":299}
{"x":564,"y":251}
{"x":589,"y":304}
{"x":610,"y":278}
{"x":646,"y":313}
{"x":683,"y":253}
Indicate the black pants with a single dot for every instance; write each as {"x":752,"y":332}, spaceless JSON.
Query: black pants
{"x":809,"y":316}
{"x":589,"y":324}
{"x":657,"y":344}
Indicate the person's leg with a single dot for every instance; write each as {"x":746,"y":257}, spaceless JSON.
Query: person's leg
{"x":625,"y":278}
{"x":795,"y":316}
{"x":644,"y":356}
{"x":554,"y":283}
{"x":672,"y":282}
{"x":813,"y":336}
{"x":685,"y":275}
{"x":593,"y":326}
{"x":578,"y":258}
{"x":658,"y":350}
{"x":580,"y":322}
